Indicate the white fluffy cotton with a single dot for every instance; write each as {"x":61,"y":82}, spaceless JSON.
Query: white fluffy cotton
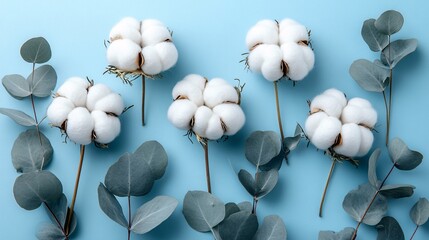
{"x":152,"y":64}
{"x":214,"y":129}
{"x":264,"y":32}
{"x":74,"y":89}
{"x":181,"y":112}
{"x":350,"y":140}
{"x":331,"y":102}
{"x":186,"y":89}
{"x":155,"y":34}
{"x":59,"y":110}
{"x":232,"y":116}
{"x":326,"y":132}
{"x":201,"y":120}
{"x":218,"y":91}
{"x":124,"y":54}
{"x":80,"y":125}
{"x":106,"y":127}
{"x":95,"y":93}
{"x":111,"y":103}
{"x":167,"y":53}
{"x":292,"y":31}
{"x":267,"y":59}
{"x":359,"y":111}
{"x":127,"y":28}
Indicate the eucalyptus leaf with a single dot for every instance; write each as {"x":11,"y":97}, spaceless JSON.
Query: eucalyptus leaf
{"x":202,"y":210}
{"x":246,"y":179}
{"x":16,"y":86}
{"x":42,"y":81}
{"x":110,"y":206}
{"x":49,"y":231}
{"x":272,"y":228}
{"x":231,"y":208}
{"x":36,"y":50}
{"x":265,"y":182}
{"x":397,"y":190}
{"x":275,"y":163}
{"x":290,"y":143}
{"x":372,"y":167}
{"x":402,"y":156}
{"x":59,"y":208}
{"x":379,"y":63}
{"x":345,"y":234}
{"x":153,"y":213}
{"x":245,"y":206}
{"x":261,"y":147}
{"x":369,"y":75}
{"x":154,"y":154}
{"x":33,"y":188}
{"x":357,"y":201}
{"x":239,"y":226}
{"x":29,"y":154}
{"x":389,"y":22}
{"x":389,"y":229}
{"x":129,"y":176}
{"x":397,"y":50}
{"x":376,"y":40}
{"x":19,"y":117}
{"x":420,"y":212}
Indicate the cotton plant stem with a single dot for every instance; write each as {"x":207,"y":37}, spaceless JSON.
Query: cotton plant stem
{"x":279,"y":118}
{"x":414,"y":233}
{"x":326,"y":187}
{"x":206,"y":157}
{"x":56,"y":220}
{"x":76,"y":186}
{"x":143,"y":97}
{"x":371,"y":202}
{"x":129,"y":217}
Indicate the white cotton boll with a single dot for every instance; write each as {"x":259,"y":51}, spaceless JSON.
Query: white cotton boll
{"x":312,"y":123}
{"x":112,"y":103}
{"x":359,"y":111}
{"x":326,"y":133}
{"x":329,"y":104}
{"x":131,"y":22}
{"x":79,"y":81}
{"x":291,"y":31}
{"x":308,"y":55}
{"x":197,"y":80}
{"x":95,"y":93}
{"x":214,"y":128}
{"x":106,"y":127}
{"x":153,"y":35}
{"x":338,"y":95}
{"x":148,"y":23}
{"x":367,"y":138}
{"x":123,"y":30}
{"x":294,"y":58}
{"x":80,"y":126}
{"x":232,"y":116}
{"x":124,"y":54}
{"x":74,"y":90}
{"x":58,"y":111}
{"x":181,"y":112}
{"x":167,"y":53}
{"x":216,"y":82}
{"x":151,"y":61}
{"x":271,"y":69}
{"x":189,"y":90}
{"x":218,"y":92}
{"x":264,"y":32}
{"x":350,"y":140}
{"x":201,"y":120}
{"x":258,"y":55}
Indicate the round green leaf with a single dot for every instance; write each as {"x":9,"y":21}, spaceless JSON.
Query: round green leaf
{"x":261,"y":147}
{"x":231,"y":208}
{"x":246,"y":179}
{"x":19,"y":117}
{"x":239,"y":226}
{"x":397,"y":190}
{"x":36,"y":50}
{"x":59,"y":208}
{"x":376,"y":40}
{"x":245,"y":206}
{"x":402,"y":156}
{"x":154,"y":154}
{"x":49,"y":231}
{"x":152,"y":214}
{"x":202,"y":210}
{"x":420,"y":212}
{"x":33,"y":188}
{"x":275,"y":163}
{"x":16,"y":86}
{"x":265,"y":182}
{"x":110,"y":206}
{"x":345,"y":234}
{"x":43,"y":82}
{"x":129,"y":176}
{"x":389,"y":22}
{"x":29,"y":151}
{"x":357,"y":201}
{"x":369,"y":75}
{"x":389,"y":229}
{"x":372,"y":167}
{"x":397,"y":50}
{"x":273,"y":228}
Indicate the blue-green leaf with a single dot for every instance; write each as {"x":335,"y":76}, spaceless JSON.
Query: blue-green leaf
{"x":389,"y":22}
{"x":152,"y":214}
{"x":239,"y":226}
{"x":16,"y":86}
{"x":154,"y":154}
{"x":49,"y":231}
{"x":59,"y":208}
{"x":369,"y":75}
{"x":272,"y":228}
{"x":110,"y":206}
{"x":43,"y":82}
{"x":36,"y":50}
{"x":231,"y":208}
{"x":246,"y":179}
{"x":265,"y":182}
{"x":19,"y":117}
{"x":376,"y":40}
{"x":245,"y":206}
{"x":402,"y":156}
{"x":261,"y":147}
{"x":345,"y":234}
{"x":372,"y":167}
{"x":397,"y":190}
{"x":397,"y":50}
{"x":420,"y":212}
{"x":389,"y":229}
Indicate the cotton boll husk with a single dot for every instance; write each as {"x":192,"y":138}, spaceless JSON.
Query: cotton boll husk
{"x":74,"y":91}
{"x":196,"y":80}
{"x":292,"y":32}
{"x":106,"y":127}
{"x":112,"y":103}
{"x":148,"y":23}
{"x":359,"y":111}
{"x":327,"y":103}
{"x":181,"y":112}
{"x":264,"y":32}
{"x":153,"y":35}
{"x":58,"y":110}
{"x":167,"y":53}
{"x":350,"y":140}
{"x":367,"y":138}
{"x":294,"y":57}
{"x":232,"y":116}
{"x":201,"y":120}
{"x":125,"y":31}
{"x":152,"y":62}
{"x":124,"y":54}
{"x":308,"y":55}
{"x":216,"y":93}
{"x":80,"y":126}
{"x":214,"y":128}
{"x":95,"y":93}
{"x":258,"y":55}
{"x":312,"y":123}
{"x":326,"y":133}
{"x":189,"y":90}
{"x":271,"y":69}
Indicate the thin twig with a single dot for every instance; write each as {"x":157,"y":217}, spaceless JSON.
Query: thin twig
{"x":387,"y":117}
{"x":390,"y":94}
{"x":414,"y":233}
{"x":255,"y":204}
{"x":129,"y":217}
{"x":326,"y":187}
{"x":143,"y":97}
{"x":206,"y":156}
{"x":279,"y":118}
{"x":33,"y":105}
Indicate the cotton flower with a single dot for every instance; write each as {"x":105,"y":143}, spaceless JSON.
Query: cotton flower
{"x":279,"y":50}
{"x":86,"y":112}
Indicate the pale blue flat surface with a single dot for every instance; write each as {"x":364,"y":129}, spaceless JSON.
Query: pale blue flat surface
{"x":210,"y":38}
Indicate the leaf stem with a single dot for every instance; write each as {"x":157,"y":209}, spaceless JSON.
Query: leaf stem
{"x":33,"y":105}
{"x":56,"y":220}
{"x":279,"y":118}
{"x":206,"y":157}
{"x":326,"y":187}
{"x":76,"y":186}
{"x":371,"y":202}
{"x":414,"y":233}
{"x":143,"y":97}
{"x":129,"y":217}
{"x":255,"y":204}
{"x":387,"y":117}
{"x":390,"y":94}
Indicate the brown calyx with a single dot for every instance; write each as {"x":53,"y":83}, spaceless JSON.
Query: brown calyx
{"x":285,"y":68}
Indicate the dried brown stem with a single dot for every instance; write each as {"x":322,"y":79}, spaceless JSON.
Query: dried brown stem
{"x":326,"y":187}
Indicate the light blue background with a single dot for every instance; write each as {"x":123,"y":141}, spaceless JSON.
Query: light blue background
{"x":210,"y":38}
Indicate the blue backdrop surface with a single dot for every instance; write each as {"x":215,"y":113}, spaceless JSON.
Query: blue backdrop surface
{"x":210,"y":37}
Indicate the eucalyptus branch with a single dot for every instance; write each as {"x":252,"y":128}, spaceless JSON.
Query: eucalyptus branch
{"x":56,"y":220}
{"x":129,"y":217}
{"x":33,"y":105}
{"x":414,"y":233}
